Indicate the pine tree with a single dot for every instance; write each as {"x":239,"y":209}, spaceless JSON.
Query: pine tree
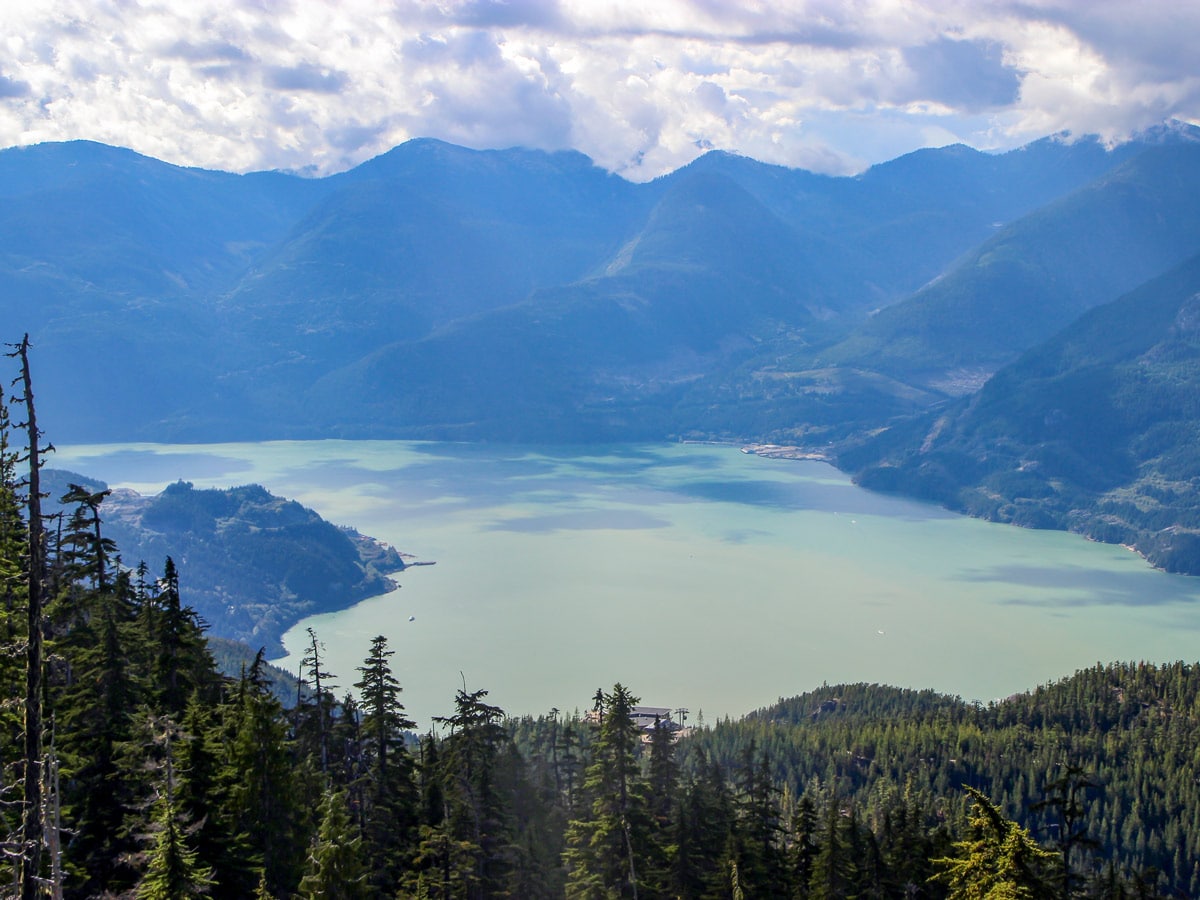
{"x":335,"y":869}
{"x":390,"y":816}
{"x":997,"y":859}
{"x":475,"y":811}
{"x":173,"y":872}
{"x":607,"y":847}
{"x":259,"y":780}
{"x":182,"y":664}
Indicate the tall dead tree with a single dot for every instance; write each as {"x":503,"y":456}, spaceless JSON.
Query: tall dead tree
{"x":31,"y":818}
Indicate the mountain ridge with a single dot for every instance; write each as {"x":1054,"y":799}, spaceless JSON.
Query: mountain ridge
{"x":442,"y":292}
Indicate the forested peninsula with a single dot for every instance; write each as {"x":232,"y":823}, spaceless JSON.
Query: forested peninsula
{"x":133,"y":768}
{"x":257,"y":563}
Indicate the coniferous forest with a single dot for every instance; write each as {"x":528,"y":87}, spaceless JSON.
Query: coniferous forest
{"x":131,"y":767}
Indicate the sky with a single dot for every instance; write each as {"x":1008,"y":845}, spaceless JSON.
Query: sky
{"x":640,"y":86}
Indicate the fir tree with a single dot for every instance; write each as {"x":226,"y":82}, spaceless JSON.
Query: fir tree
{"x":475,"y":811}
{"x":805,"y":845}
{"x":390,"y":816}
{"x":313,"y":718}
{"x":833,"y":869}
{"x":173,"y":873}
{"x":182,"y":663}
{"x":607,"y":847}
{"x":259,"y":780}
{"x":335,"y":869}
{"x":997,"y":859}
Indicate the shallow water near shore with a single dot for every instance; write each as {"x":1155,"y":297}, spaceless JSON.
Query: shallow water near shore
{"x":697,"y":575}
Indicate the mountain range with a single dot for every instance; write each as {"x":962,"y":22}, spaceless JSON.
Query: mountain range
{"x":936,"y":323}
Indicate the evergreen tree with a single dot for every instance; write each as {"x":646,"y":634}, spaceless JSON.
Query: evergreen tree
{"x":703,"y":828}
{"x":336,"y":869}
{"x":761,"y":865}
{"x":1065,"y":797}
{"x":805,"y":845}
{"x":31,"y":831}
{"x":88,"y":552}
{"x":833,"y":869}
{"x":173,"y":873}
{"x":202,"y":797}
{"x":103,"y":784}
{"x":183,"y":664}
{"x":259,"y":779}
{"x":997,"y":859}
{"x":390,"y":814}
{"x":314,"y":715}
{"x":606,"y":851}
{"x":475,"y":811}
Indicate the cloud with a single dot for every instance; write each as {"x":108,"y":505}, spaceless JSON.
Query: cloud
{"x":641,"y":87}
{"x":967,"y":75}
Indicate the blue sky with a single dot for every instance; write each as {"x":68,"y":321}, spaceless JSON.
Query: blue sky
{"x":641,"y":86}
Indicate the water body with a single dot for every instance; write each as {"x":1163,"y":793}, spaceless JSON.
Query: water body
{"x":697,"y":575}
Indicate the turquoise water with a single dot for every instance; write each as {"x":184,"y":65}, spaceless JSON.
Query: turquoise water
{"x":697,"y":575}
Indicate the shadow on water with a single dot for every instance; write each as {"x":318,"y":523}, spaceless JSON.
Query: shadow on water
{"x":1094,"y":587}
{"x":478,"y":482}
{"x":840,"y":497}
{"x":614,"y":458}
{"x":743,"y":536}
{"x":584,"y":520}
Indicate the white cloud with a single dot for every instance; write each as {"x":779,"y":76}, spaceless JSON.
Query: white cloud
{"x":641,"y":87}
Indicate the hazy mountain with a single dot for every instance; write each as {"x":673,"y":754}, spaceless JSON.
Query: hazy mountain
{"x":1095,"y":430}
{"x":421,"y":236}
{"x":436,"y":290}
{"x":1039,"y":273}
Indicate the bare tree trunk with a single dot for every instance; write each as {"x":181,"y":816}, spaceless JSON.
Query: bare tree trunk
{"x":54,"y":814}
{"x":31,"y":826}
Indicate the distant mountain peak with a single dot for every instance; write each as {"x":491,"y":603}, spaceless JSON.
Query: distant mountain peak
{"x":1168,"y":132}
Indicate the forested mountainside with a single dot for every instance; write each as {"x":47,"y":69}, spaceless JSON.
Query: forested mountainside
{"x":256,"y":563}
{"x":1094,"y":431}
{"x":159,"y":778}
{"x":384,"y":301}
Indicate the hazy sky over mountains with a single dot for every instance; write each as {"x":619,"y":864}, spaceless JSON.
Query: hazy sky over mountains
{"x":641,"y":86}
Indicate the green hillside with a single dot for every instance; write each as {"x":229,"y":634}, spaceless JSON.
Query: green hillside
{"x":1094,"y":431}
